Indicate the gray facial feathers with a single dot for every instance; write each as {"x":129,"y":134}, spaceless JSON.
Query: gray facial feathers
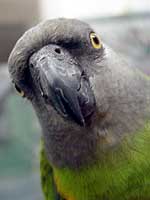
{"x":59,"y":31}
{"x":117,"y":95}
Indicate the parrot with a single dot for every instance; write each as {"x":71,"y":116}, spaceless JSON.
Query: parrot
{"x":93,"y":108}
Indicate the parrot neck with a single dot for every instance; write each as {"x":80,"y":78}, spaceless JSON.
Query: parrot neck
{"x":112,"y":175}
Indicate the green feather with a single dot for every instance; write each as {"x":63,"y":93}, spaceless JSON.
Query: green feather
{"x":47,"y":181}
{"x":123,"y":173}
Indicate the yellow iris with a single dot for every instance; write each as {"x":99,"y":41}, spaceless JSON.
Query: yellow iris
{"x":95,"y":41}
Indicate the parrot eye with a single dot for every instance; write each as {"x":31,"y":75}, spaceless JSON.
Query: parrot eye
{"x":19,"y":91}
{"x":95,"y":41}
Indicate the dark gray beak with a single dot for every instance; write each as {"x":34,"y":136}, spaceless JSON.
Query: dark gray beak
{"x":64,"y":85}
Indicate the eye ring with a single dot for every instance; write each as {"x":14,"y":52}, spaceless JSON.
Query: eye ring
{"x":19,"y":91}
{"x":95,"y":41}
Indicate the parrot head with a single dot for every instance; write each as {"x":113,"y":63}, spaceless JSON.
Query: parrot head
{"x":54,"y":69}
{"x":81,"y":90}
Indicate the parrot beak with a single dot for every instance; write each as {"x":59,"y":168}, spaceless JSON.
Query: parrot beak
{"x":65,"y":87}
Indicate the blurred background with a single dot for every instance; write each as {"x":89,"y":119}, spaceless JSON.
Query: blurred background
{"x":123,"y":24}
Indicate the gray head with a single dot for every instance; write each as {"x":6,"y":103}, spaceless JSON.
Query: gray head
{"x":53,"y":60}
{"x":83,"y":93}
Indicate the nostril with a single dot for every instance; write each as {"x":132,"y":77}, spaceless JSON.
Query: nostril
{"x":57,"y":50}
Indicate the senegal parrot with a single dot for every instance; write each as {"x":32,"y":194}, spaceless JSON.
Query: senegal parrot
{"x":94,"y":111}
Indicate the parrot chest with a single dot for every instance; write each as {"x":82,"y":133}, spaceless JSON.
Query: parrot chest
{"x":121,"y":174}
{"x":97,"y":183}
{"x":74,"y":185}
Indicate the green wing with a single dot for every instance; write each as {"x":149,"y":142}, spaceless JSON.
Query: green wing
{"x":47,"y":180}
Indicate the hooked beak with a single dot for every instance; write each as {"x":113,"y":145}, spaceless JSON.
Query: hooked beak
{"x":67,"y":88}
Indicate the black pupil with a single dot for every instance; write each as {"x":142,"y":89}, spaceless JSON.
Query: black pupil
{"x":96,"y":40}
{"x":57,"y":50}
